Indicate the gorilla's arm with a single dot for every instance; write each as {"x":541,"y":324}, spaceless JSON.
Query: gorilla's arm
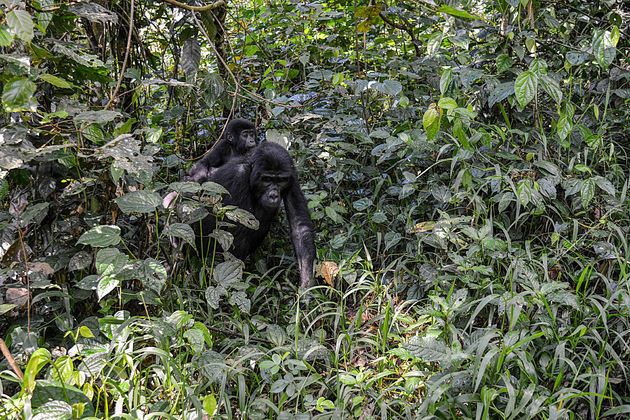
{"x":216,"y":157}
{"x":302,"y":232}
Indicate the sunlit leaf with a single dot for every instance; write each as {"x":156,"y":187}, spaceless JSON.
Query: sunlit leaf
{"x":21,"y":23}
{"x":243,"y":217}
{"x":447,"y":103}
{"x":214,"y":295}
{"x":105,"y":285}
{"x":17,"y":95}
{"x":6,"y":38}
{"x":240,"y":299}
{"x":183,"y":231}
{"x":457,"y":12}
{"x":56,"y":81}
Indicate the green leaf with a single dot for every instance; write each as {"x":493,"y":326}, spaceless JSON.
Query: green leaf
{"x":228,"y":272}
{"x":434,"y":42}
{"x":105,"y":285}
{"x":431,"y":349}
{"x":605,"y":185}
{"x":564,"y":127}
{"x":243,"y":217}
{"x":614,"y":35}
{"x":603,"y":48}
{"x":504,"y":62}
{"x":209,"y":404}
{"x":240,"y":299}
{"x":56,"y":81}
{"x":33,"y":211}
{"x":392,"y":87}
{"x":141,"y":201}
{"x":97,"y":117}
{"x":431,"y":121}
{"x":447,"y":103}
{"x":587,"y":192}
{"x":552,"y":87}
{"x":152,"y":274}
{"x":431,"y":115}
{"x":538,"y":66}
{"x":250,"y":50}
{"x":85,"y":332}
{"x":362,"y":204}
{"x":183,"y":231}
{"x":101,"y":236}
{"x":333,"y":215}
{"x":214,"y":294}
{"x":445,"y":80}
{"x":6,"y":38}
{"x":500,"y":92}
{"x":524,"y":192}
{"x":110,"y":261}
{"x":21,"y":23}
{"x":457,"y":12}
{"x":525,"y":87}
{"x":17,"y":95}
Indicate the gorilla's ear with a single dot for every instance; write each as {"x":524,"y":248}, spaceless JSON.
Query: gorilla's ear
{"x":229,"y":136}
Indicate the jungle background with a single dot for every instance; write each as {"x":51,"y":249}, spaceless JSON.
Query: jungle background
{"x":465,"y":164}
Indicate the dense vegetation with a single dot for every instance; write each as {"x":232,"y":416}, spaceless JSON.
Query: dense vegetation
{"x":466,"y":166}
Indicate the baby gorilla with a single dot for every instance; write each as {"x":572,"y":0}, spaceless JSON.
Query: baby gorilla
{"x":239,"y":138}
{"x":258,"y":183}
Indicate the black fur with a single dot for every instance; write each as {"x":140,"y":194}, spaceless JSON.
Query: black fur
{"x":258,"y":183}
{"x":239,"y":138}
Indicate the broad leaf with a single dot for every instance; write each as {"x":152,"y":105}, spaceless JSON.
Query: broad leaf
{"x":141,"y":201}
{"x":6,"y":38}
{"x":17,"y":95}
{"x":457,"y":12}
{"x":445,"y":80}
{"x":21,"y":23}
{"x":228,"y":272}
{"x":524,"y":192}
{"x":56,"y":81}
{"x":243,"y":217}
{"x":552,"y":87}
{"x":101,"y":236}
{"x":587,"y":192}
{"x":152,"y":274}
{"x":525,"y":87}
{"x":214,"y":294}
{"x":240,"y":299}
{"x":183,"y":231}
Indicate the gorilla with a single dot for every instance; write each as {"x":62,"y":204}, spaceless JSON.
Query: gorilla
{"x":238,"y":139}
{"x":258,"y":182}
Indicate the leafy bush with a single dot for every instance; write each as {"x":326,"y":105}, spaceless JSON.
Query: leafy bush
{"x":465,"y":164}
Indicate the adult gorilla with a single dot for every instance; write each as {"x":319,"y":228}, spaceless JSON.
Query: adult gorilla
{"x":258,"y":183}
